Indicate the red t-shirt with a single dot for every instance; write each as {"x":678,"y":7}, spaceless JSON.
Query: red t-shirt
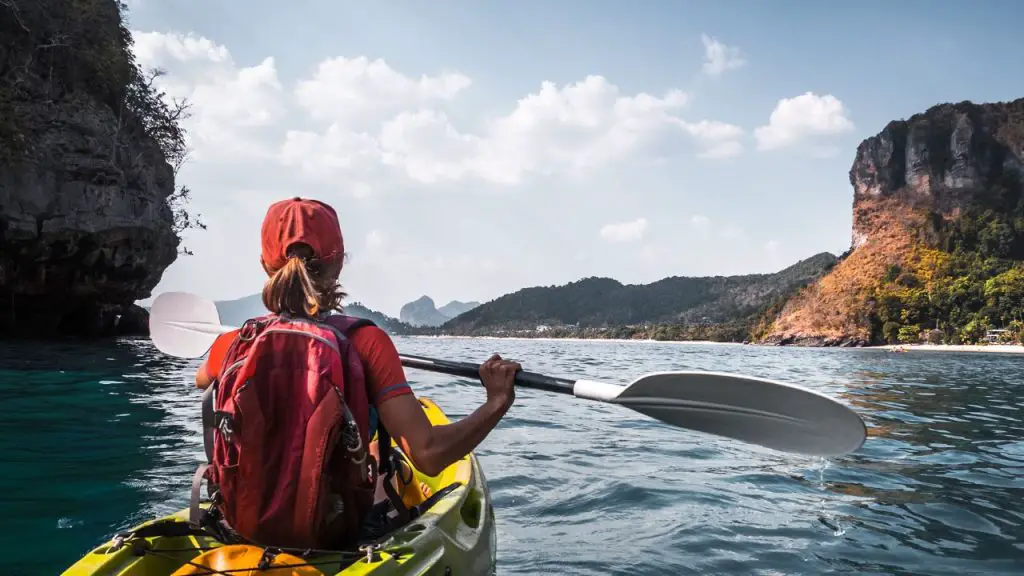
{"x":385,"y":377}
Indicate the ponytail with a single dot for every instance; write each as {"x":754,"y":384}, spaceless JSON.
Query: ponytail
{"x":298,"y":291}
{"x":291,"y":291}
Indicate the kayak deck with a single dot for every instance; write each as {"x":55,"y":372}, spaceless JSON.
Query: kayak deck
{"x":455,"y":534}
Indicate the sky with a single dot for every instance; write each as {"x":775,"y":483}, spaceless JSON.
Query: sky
{"x":475,"y":148}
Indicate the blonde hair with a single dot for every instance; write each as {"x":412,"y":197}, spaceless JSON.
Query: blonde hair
{"x":302,"y":287}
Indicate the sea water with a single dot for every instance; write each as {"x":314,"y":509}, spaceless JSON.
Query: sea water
{"x":95,"y":438}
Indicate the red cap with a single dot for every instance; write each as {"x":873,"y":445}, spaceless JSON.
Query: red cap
{"x":300,"y":220}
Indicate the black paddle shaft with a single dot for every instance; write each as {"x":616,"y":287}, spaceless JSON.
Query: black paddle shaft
{"x":468,"y":370}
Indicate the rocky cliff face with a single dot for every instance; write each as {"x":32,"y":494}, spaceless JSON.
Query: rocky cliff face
{"x":85,"y":224}
{"x":911,"y":182}
{"x":421,"y":312}
{"x":936,"y":161}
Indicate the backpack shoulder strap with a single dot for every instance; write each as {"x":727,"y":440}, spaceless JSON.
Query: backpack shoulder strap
{"x":347,"y":324}
{"x":210,"y":416}
{"x":386,"y":466}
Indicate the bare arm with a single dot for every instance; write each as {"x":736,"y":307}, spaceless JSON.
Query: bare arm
{"x":217,"y":351}
{"x":434,"y":448}
{"x":203,"y":379}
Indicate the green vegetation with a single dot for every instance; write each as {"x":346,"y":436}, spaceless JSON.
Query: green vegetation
{"x":971,"y":283}
{"x":383,"y":321}
{"x":764,"y":321}
{"x":64,"y":51}
{"x":678,"y":308}
{"x":737,"y":331}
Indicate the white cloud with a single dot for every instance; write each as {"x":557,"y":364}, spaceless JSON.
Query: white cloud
{"x":368,"y":122}
{"x":353,"y":90}
{"x":806,"y":115}
{"x":772,"y":247}
{"x":720,"y":140}
{"x":336,"y":151}
{"x":427,"y":147}
{"x":557,"y":130}
{"x":576,"y":127}
{"x":371,"y":139}
{"x":621,"y":232}
{"x":700,"y":222}
{"x":230,"y":104}
{"x":718,"y":57}
{"x":155,"y":48}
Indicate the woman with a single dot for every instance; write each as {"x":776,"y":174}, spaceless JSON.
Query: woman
{"x":302,"y":253}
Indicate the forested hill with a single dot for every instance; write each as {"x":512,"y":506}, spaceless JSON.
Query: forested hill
{"x":603,"y":302}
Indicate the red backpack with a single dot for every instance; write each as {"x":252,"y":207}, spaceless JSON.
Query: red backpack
{"x":286,"y":435}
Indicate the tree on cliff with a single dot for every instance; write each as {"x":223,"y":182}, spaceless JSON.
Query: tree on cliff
{"x":161,"y":118}
{"x":69,"y":45}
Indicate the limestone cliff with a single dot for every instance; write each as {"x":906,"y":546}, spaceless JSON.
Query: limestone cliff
{"x":934,"y":197}
{"x":422,"y":312}
{"x":87,"y":216}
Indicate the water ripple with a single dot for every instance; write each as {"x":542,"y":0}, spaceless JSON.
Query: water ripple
{"x":96,"y":438}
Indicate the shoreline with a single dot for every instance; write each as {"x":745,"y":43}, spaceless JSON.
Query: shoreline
{"x":610,"y":340}
{"x":969,"y":348}
{"x":893,"y":348}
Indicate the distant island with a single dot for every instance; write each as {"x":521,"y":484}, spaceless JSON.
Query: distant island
{"x":423,"y":312}
{"x":677,"y":308}
{"x":235,"y":312}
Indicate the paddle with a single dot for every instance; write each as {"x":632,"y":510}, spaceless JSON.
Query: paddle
{"x":764,"y":412}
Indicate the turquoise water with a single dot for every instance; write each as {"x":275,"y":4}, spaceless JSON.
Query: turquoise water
{"x":96,"y":438}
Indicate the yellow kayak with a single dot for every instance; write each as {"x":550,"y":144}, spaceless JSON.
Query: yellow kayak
{"x":453,"y":533}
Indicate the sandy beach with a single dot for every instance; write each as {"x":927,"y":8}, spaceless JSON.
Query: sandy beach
{"x":989,"y":348}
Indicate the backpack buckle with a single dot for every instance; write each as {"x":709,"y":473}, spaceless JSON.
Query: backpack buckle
{"x":222,"y":422}
{"x":252,"y":328}
{"x":267,"y":557}
{"x":371,"y":552}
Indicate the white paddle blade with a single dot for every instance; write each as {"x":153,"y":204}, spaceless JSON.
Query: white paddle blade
{"x":763,"y":412}
{"x":183,"y":324}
